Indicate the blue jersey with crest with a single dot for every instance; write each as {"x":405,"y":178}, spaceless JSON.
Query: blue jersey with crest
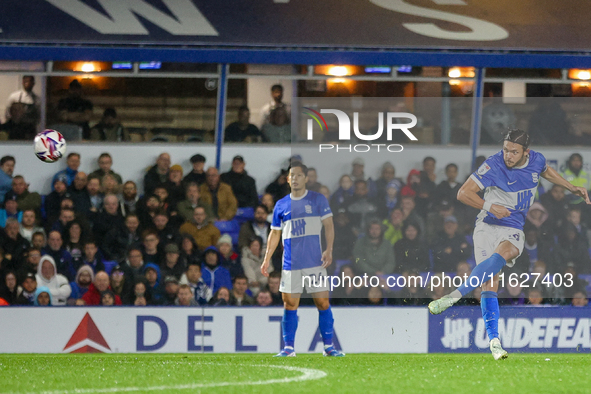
{"x":300,"y":221}
{"x":514,"y":188}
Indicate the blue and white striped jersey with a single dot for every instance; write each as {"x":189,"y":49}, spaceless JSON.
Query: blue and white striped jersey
{"x":514,"y":188}
{"x":300,"y":221}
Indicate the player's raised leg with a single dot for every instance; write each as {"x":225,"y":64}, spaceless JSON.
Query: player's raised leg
{"x":326,"y":324}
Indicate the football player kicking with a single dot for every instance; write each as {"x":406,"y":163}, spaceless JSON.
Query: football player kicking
{"x":509,"y":180}
{"x":299,"y":217}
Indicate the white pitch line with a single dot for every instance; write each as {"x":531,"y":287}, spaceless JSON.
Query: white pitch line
{"x":307,"y":374}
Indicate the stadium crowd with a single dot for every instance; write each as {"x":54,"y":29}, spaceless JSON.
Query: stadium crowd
{"x":199,"y":238}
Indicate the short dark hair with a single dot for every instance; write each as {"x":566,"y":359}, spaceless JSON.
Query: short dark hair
{"x":301,"y":165}
{"x":239,"y":276}
{"x":277,"y":87}
{"x":243,"y":108}
{"x":262,"y":207}
{"x":275,"y":274}
{"x":429,"y":158}
{"x":110,"y":112}
{"x":518,"y":136}
{"x":450,"y":165}
{"x":106,"y":154}
{"x":73,"y":154}
{"x":5,"y":159}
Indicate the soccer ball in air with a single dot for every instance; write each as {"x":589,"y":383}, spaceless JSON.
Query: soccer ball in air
{"x":50,"y":146}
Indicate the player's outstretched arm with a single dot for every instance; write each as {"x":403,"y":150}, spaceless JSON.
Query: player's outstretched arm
{"x":272,"y":242}
{"x":551,"y":175}
{"x":329,"y":237}
{"x":468,"y":194}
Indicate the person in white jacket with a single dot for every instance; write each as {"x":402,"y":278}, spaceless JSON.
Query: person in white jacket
{"x":56,"y":283}
{"x":252,"y":258}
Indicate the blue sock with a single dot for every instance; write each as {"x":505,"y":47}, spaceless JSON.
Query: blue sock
{"x":483,"y":272}
{"x":289,"y":325}
{"x":489,"y":303}
{"x":325,"y":323}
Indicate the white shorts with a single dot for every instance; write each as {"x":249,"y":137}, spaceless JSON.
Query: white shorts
{"x":487,"y":237}
{"x":313,"y":279}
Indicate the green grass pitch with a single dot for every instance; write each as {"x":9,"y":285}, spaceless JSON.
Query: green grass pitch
{"x":355,"y":373}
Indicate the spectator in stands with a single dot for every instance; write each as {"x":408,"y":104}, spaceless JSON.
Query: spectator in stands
{"x":185,"y":297}
{"x":133,"y":265}
{"x":107,"y":298}
{"x":120,"y":284}
{"x":203,"y":232}
{"x":388,"y":175}
{"x":252,"y":258}
{"x":273,"y":284}
{"x":537,"y":250}
{"x":32,"y":262}
{"x":580,"y":299}
{"x":189,"y":252}
{"x":537,"y":216}
{"x":545,"y":120}
{"x":101,"y":283}
{"x":575,"y":175}
{"x":109,"y":185}
{"x":267,"y":201}
{"x":109,"y":128}
{"x":162,"y":194}
{"x":278,"y":130}
{"x":242,"y":130}
{"x":6,"y":170}
{"x":389,"y":200}
{"x":361,"y":207}
{"x":43,"y":297}
{"x":140,"y":294}
{"x":257,"y":227}
{"x":75,"y":109}
{"x":313,"y":183}
{"x":148,"y":206}
{"x":174,"y":186}
{"x":346,"y":294}
{"x":186,"y":207}
{"x":68,"y":175}
{"x":325,"y":191}
{"x":109,"y":217}
{"x":171,"y":290}
{"x":79,"y":194}
{"x":428,"y":176}
{"x":84,"y":277}
{"x":435,"y":219}
{"x":92,"y":256}
{"x":54,"y":199}
{"x":151,"y":251}
{"x":39,"y":240}
{"x":413,"y":181}
{"x":229,"y":259}
{"x":450,"y":247}
{"x":105,"y":162}
{"x":58,"y":285}
{"x":574,"y":216}
{"x":11,"y":291}
{"x":94,"y":194}
{"x":277,"y":102}
{"x":358,"y":174}
{"x":10,"y":210}
{"x":167,"y":232}
{"x":344,"y":237}
{"x":221,"y":297}
{"x":128,"y":203}
{"x":243,"y":185}
{"x":534,"y":297}
{"x":192,"y":277}
{"x":24,"y":198}
{"x":29,"y":284}
{"x":214,"y":275}
{"x":172,"y":266}
{"x":62,"y":258}
{"x":30,"y":104}
{"x":412,"y":294}
{"x":153,"y":281}
{"x":66,"y":215}
{"x":511,"y":294}
{"x":448,"y":189}
{"x":279,"y":188}
{"x":407,"y":204}
{"x":410,"y":252}
{"x":239,"y":288}
{"x":573,"y":248}
{"x":556,"y":205}
{"x":13,"y":245}
{"x":264,"y":298}
{"x":17,"y":127}
{"x":344,"y":194}
{"x":74,"y":240}
{"x":393,"y":226}
{"x":198,"y":174}
{"x":219,"y":196}
{"x":157,"y":174}
{"x":372,"y":254}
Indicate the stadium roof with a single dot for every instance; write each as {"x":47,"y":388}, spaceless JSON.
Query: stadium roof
{"x":502,"y":33}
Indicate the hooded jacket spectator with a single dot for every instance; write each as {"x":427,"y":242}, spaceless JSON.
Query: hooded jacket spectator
{"x":78,"y":290}
{"x":215,"y":276}
{"x":57,"y":284}
{"x":156,"y":289}
{"x":40,"y":290}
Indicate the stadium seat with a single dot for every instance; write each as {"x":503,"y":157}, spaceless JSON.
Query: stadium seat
{"x":228,"y":226}
{"x":109,"y":265}
{"x":244,"y":214}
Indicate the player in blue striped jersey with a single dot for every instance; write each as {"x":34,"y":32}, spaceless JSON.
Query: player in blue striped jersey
{"x":509,"y":180}
{"x":299,"y":217}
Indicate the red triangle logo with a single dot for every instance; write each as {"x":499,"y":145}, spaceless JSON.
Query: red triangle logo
{"x":87,"y":329}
